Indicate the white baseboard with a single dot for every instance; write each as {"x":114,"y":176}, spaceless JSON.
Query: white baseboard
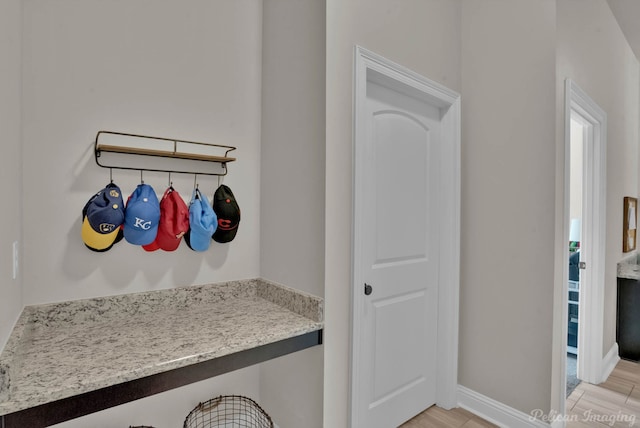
{"x":609,"y":362}
{"x":495,"y":411}
{"x":508,"y":417}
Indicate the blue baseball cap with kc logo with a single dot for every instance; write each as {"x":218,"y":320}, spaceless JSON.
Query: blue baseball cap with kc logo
{"x":142,"y":216}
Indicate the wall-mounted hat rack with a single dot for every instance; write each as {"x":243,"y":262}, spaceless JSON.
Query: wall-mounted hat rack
{"x":118,"y":150}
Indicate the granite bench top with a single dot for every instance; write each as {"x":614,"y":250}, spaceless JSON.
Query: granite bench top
{"x":629,"y":267}
{"x":66,"y":349}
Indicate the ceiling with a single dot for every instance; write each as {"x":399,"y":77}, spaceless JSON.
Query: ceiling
{"x":627,"y":13}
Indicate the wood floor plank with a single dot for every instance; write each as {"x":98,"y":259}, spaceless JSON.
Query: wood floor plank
{"x":463,"y":412}
{"x":617,"y":384}
{"x":614,"y":403}
{"x":476,"y":422}
{"x":570,"y":403}
{"x":627,"y":370}
{"x":446,"y":418}
{"x":633,"y":400}
{"x":427,"y":420}
{"x":580,"y":423}
{"x":595,"y":406}
{"x":436,"y":417}
{"x":598,"y":393}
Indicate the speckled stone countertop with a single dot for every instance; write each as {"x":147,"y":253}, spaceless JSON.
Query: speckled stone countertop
{"x":629,"y":268}
{"x":65,"y":349}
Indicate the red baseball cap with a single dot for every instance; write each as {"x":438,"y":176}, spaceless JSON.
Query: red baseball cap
{"x":174,"y":222}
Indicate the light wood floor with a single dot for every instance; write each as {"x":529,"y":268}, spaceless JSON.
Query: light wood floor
{"x":435,"y":417}
{"x":614,"y":403}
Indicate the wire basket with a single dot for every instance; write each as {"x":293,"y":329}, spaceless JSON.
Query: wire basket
{"x":228,"y":411}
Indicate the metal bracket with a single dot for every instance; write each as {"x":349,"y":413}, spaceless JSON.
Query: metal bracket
{"x":160,"y":154}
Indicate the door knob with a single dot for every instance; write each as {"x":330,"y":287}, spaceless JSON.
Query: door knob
{"x":368,"y":289}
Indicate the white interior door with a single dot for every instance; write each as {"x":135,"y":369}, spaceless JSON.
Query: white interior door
{"x":400,"y":257}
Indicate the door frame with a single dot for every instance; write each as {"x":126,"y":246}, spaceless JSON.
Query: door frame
{"x":591,"y":314}
{"x":370,"y":66}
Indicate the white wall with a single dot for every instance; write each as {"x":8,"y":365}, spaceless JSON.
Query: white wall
{"x":508,"y":179}
{"x":423,"y":36}
{"x":189,"y":70}
{"x":193,"y":70}
{"x":575,"y":180}
{"x":594,"y":53}
{"x":292,"y":190}
{"x":293,"y":144}
{"x":10,"y":117}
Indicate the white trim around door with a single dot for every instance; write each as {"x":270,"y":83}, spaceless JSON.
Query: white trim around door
{"x":368,"y":65}
{"x":591,"y":315}
{"x":592,"y":367}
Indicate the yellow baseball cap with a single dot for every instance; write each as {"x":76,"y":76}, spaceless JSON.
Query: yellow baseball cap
{"x":102,"y":217}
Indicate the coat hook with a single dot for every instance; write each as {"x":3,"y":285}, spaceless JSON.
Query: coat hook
{"x":111,"y":175}
{"x":170,"y":182}
{"x":141,"y":179}
{"x":195,"y":181}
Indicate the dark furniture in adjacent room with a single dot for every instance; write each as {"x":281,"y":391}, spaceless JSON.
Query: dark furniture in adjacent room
{"x":628,"y":319}
{"x":574,"y":299}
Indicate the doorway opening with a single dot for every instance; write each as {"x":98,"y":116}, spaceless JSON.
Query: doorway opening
{"x":583,"y":238}
{"x":578,"y":131}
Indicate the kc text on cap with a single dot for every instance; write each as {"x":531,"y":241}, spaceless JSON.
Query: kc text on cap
{"x":142,"y":216}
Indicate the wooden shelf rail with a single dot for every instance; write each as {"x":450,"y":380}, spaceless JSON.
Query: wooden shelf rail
{"x":171,"y":149}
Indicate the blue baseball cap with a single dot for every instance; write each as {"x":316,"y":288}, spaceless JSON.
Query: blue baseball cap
{"x":142,"y":216}
{"x":102,"y":217}
{"x":202,"y":222}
